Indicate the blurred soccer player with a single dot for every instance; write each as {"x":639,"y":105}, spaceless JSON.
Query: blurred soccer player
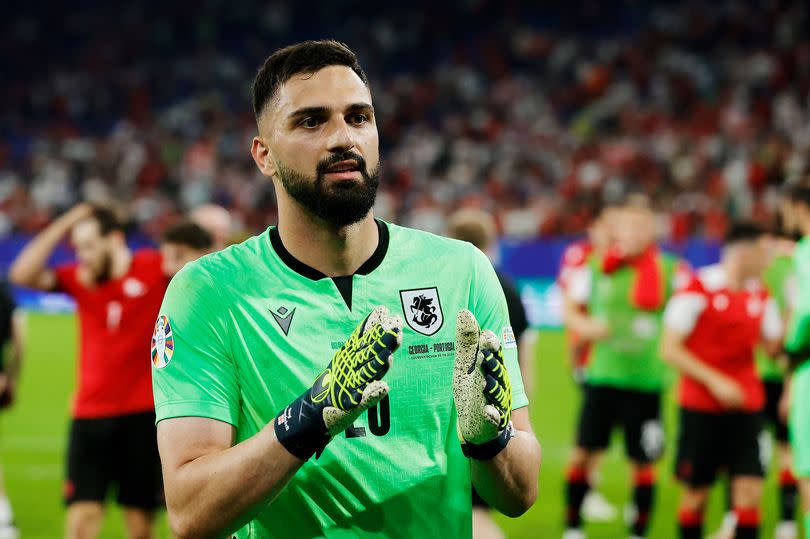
{"x":712,"y":327}
{"x":574,"y":257}
{"x":625,"y":293}
{"x":182,"y":243}
{"x":112,"y":435}
{"x":797,"y":346}
{"x":11,"y":341}
{"x":478,"y":227}
{"x":261,"y":433}
{"x":595,"y":507}
{"x":217,"y":221}
{"x":781,"y":285}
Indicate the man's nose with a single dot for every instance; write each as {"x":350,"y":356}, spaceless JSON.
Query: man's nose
{"x":340,"y":137}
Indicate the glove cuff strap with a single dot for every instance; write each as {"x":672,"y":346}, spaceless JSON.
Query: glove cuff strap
{"x":299,"y":428}
{"x":488,"y":450}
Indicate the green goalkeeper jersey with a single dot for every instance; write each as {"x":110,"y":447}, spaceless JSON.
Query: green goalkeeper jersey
{"x":778,"y":278}
{"x":245,"y":331}
{"x":798,"y":331}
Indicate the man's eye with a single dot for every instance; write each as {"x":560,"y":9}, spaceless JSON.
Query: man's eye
{"x":358,"y":119}
{"x":310,"y":123}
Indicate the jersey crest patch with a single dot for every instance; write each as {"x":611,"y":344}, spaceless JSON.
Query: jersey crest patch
{"x":422,"y":309}
{"x":162,"y":342}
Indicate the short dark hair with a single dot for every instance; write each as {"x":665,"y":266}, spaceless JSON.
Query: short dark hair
{"x":800,"y":194}
{"x":306,"y":57}
{"x":107,"y":220}
{"x":188,"y":234}
{"x":744,"y":231}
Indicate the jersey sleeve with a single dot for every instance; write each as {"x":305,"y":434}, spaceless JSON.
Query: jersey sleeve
{"x":193,"y":373}
{"x":579,"y":284}
{"x":66,"y":279}
{"x":772,"y":326}
{"x":488,"y":304}
{"x":686,"y":306}
{"x":573,"y":257}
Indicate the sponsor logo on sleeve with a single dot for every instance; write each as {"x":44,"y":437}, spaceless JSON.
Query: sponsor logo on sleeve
{"x":509,"y":340}
{"x":162,"y":342}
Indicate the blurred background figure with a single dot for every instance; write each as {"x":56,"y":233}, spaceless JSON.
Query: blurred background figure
{"x":217,"y":221}
{"x":478,"y":227}
{"x":183,"y":243}
{"x":595,"y":507}
{"x":624,"y":292}
{"x":11,"y":350}
{"x":112,"y":441}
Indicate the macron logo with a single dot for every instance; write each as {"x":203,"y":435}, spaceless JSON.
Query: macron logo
{"x":283,"y":317}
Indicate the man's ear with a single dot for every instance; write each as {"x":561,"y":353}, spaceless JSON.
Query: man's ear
{"x":262,"y":157}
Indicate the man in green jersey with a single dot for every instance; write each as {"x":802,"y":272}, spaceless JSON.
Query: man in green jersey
{"x":780,"y":283}
{"x":245,"y":392}
{"x":624,"y":293}
{"x":797,"y":346}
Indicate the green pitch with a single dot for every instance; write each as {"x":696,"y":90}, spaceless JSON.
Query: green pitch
{"x":32,"y":442}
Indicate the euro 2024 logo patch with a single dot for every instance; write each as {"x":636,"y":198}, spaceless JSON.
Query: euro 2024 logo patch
{"x":422,"y":309}
{"x":162,"y":342}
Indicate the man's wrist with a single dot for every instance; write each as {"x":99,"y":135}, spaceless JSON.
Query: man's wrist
{"x":489,"y":450}
{"x":299,"y":428}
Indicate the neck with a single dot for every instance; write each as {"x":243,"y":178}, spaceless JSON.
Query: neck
{"x":734,"y":277}
{"x":335,"y":251}
{"x":121,"y":260}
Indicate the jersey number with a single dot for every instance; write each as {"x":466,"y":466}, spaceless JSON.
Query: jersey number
{"x":379,"y":421}
{"x":113,"y":315}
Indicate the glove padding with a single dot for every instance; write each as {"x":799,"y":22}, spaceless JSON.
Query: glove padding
{"x":481,"y":386}
{"x":350,"y":384}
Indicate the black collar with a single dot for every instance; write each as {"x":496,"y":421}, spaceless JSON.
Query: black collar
{"x":311,"y":273}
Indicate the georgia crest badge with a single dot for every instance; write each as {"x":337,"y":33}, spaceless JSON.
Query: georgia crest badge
{"x":422,"y":309}
{"x":162,"y":342}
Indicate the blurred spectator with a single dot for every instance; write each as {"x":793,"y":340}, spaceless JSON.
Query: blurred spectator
{"x":12,"y":337}
{"x":217,"y":222}
{"x":528,"y":111}
{"x":183,"y":243}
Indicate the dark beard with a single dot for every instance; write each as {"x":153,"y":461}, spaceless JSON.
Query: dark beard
{"x":342,"y":204}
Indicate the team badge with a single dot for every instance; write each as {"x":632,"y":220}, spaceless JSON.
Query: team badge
{"x":162,"y":342}
{"x":422,"y":309}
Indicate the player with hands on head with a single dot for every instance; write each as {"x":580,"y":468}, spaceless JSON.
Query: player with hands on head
{"x":112,"y":441}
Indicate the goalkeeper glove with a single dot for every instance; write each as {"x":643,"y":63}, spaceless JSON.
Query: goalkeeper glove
{"x":481,"y":390}
{"x":350,"y":384}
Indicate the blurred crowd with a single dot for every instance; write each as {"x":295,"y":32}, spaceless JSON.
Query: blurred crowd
{"x":533,"y":113}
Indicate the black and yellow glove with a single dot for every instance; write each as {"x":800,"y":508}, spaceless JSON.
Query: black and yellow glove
{"x":350,"y":384}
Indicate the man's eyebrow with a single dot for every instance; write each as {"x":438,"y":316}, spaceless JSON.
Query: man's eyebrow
{"x":360,"y":107}
{"x":309,"y":111}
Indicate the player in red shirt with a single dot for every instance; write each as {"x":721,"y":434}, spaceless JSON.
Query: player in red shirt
{"x":118,"y":293}
{"x":712,"y":327}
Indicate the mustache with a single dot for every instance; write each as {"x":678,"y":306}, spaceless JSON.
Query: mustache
{"x":337,"y":157}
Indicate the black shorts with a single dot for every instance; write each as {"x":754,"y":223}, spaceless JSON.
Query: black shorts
{"x":638,"y":413}
{"x":709,"y":443}
{"x":773,"y":393}
{"x":116,"y":451}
